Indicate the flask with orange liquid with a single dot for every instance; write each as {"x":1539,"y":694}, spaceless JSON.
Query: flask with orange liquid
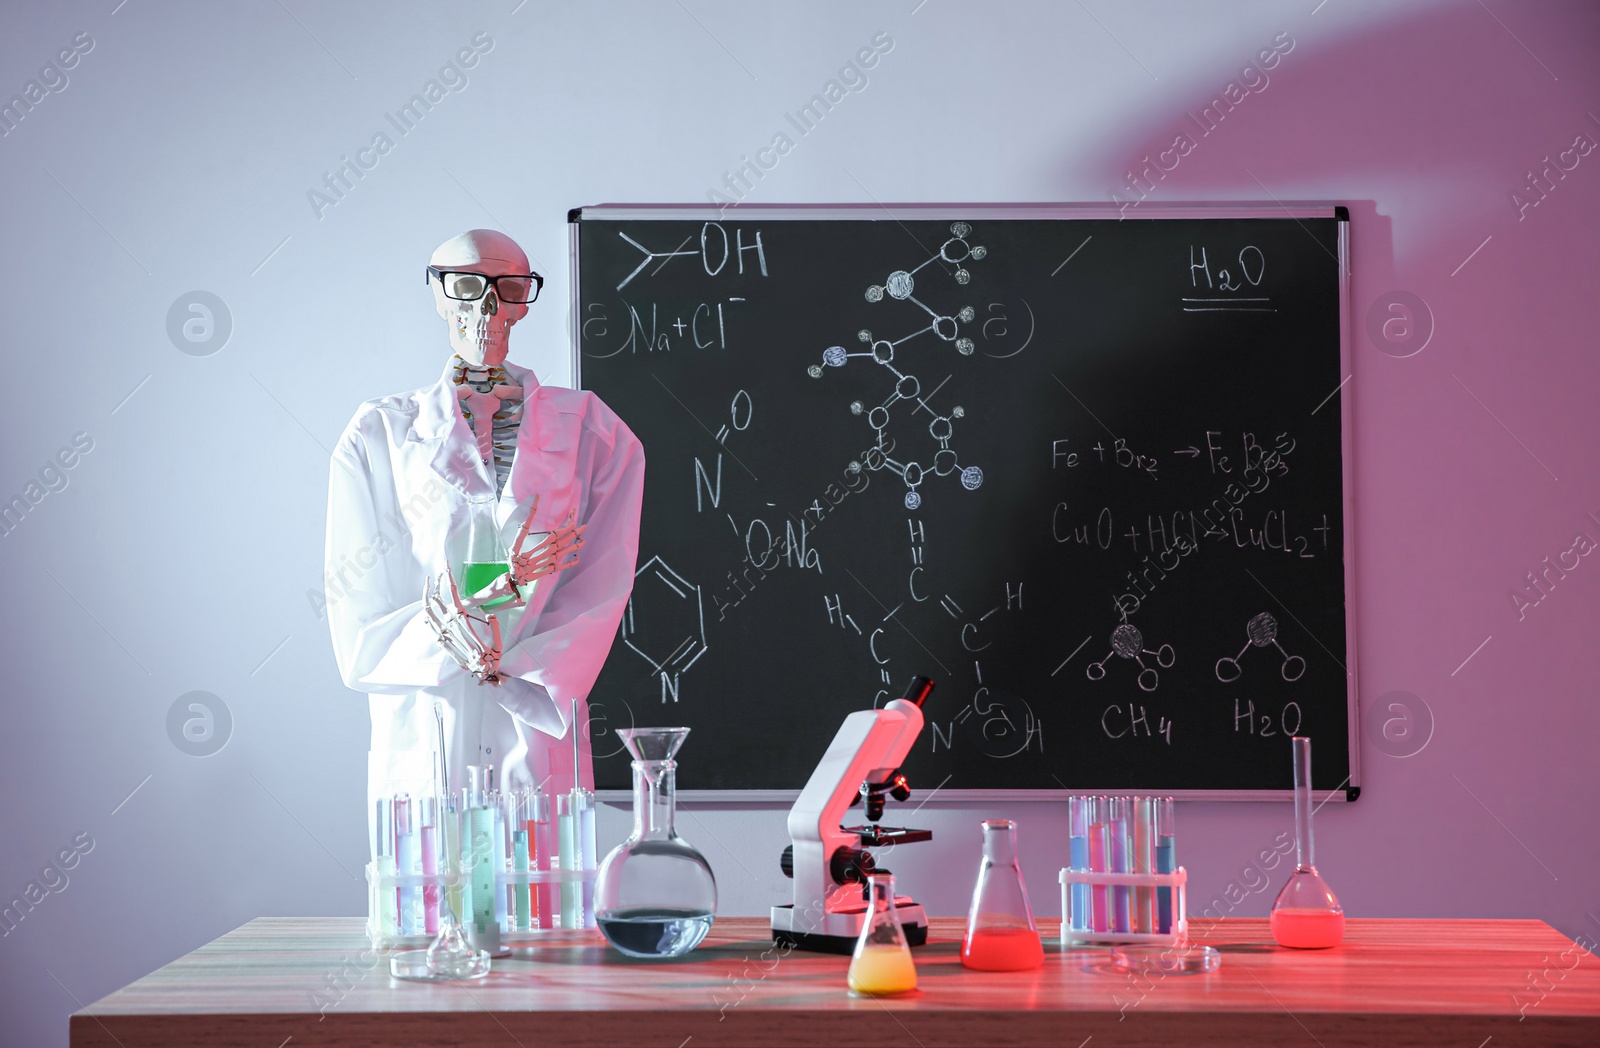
{"x":881,"y":965}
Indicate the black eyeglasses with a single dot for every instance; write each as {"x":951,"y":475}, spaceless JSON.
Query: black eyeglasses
{"x":466,"y":286}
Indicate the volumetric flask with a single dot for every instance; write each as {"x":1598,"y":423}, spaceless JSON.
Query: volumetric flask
{"x":1306,"y":914}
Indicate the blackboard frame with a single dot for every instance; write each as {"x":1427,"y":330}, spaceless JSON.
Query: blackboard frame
{"x":1052,"y":212}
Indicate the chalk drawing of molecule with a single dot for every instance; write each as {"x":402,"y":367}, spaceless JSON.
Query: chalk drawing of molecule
{"x":665,"y":623}
{"x":1262,"y":630}
{"x":901,"y":286}
{"x":1128,"y":642}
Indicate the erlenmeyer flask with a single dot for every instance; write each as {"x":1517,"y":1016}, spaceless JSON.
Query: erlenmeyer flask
{"x":655,"y":895}
{"x":881,"y":965}
{"x":477,"y":555}
{"x":1306,"y":914}
{"x":1001,"y":935}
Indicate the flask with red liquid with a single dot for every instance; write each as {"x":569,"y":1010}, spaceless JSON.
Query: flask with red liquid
{"x":1306,"y":914}
{"x":1001,"y":934}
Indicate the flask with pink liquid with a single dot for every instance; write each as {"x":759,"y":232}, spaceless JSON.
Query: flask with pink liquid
{"x":1306,"y":914}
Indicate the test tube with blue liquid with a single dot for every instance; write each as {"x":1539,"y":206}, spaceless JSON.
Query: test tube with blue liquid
{"x":1166,"y":858}
{"x":1078,"y":858}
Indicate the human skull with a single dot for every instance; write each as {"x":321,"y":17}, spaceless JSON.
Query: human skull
{"x":479,"y":328}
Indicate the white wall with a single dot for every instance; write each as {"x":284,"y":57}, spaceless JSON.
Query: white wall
{"x":183,"y":550}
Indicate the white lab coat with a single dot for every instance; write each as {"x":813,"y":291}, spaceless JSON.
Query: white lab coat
{"x":398,"y":483}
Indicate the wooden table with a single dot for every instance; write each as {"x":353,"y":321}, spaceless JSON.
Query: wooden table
{"x":297,"y":982}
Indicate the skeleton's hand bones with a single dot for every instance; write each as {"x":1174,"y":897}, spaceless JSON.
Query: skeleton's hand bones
{"x":457,"y":630}
{"x":546,"y":558}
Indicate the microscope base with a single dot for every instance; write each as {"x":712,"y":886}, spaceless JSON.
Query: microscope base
{"x":838,"y":932}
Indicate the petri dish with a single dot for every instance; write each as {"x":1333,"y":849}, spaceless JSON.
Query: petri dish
{"x":1184,"y":959}
{"x":413,"y":965}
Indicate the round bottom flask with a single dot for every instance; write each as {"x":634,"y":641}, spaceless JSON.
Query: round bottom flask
{"x":656,"y":896}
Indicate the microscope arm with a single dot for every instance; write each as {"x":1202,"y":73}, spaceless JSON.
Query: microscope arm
{"x":870,"y":745}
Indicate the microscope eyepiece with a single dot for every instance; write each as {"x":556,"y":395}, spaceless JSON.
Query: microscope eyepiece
{"x":918,"y":691}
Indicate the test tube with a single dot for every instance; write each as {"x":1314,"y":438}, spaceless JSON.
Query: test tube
{"x":1121,"y":847}
{"x":1144,"y":861}
{"x":501,"y":859}
{"x":480,"y":846}
{"x":1099,"y":861}
{"x":542,"y":856}
{"x":407,"y":861}
{"x":388,"y":898}
{"x":1166,"y":858}
{"x":521,"y":857}
{"x":1078,"y":859}
{"x":567,"y":833}
{"x":450,"y":850}
{"x":429,"y":807}
{"x":464,"y":857}
{"x":584,"y":805}
{"x":581,"y":807}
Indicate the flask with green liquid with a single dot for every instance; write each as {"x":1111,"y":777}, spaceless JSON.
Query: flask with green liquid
{"x":481,"y":557}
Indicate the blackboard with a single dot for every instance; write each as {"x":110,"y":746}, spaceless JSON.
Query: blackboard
{"x":1088,"y":472}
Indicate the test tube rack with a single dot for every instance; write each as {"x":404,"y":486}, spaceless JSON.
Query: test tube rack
{"x":510,"y":934}
{"x":1175,"y":881}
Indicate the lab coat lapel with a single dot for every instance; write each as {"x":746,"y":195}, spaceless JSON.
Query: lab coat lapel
{"x":544,"y":466}
{"x":544,"y":460}
{"x":454,"y":452}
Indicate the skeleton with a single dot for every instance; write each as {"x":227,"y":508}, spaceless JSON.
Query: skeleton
{"x":482,"y":392}
{"x":479,"y":323}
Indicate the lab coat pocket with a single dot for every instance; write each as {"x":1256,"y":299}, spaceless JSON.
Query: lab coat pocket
{"x":550,"y":474}
{"x":559,"y":429}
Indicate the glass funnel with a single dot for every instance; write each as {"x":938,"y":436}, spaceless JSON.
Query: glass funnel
{"x":1306,"y":914}
{"x":655,"y":896}
{"x":881,"y":965}
{"x":476,"y":553}
{"x":1001,"y":934}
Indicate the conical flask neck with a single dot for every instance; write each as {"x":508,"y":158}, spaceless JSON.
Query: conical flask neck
{"x":883,"y":926}
{"x":1000,"y":843}
{"x":483,"y":545}
{"x":999,"y":899}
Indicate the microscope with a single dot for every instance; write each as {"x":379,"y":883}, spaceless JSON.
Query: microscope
{"x":828,"y":861}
